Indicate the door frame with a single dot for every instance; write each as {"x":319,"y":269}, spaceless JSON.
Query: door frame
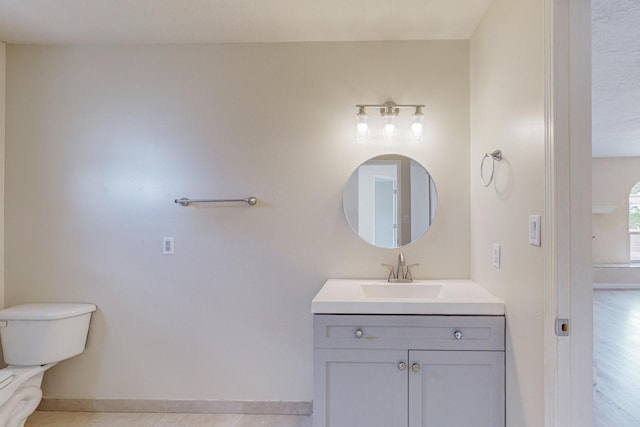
{"x":568,"y":277}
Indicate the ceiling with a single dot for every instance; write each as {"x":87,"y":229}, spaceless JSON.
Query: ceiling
{"x":616,"y":36}
{"x":616,"y":78}
{"x":229,"y":21}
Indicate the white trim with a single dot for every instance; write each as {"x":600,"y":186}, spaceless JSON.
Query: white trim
{"x":616,"y":286}
{"x":581,"y":291}
{"x":550,"y":226}
{"x":177,"y":406}
{"x":568,"y":291}
{"x":549,"y":229}
{"x":3,"y":113}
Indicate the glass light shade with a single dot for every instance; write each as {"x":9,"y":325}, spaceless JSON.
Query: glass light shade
{"x":417,"y":125}
{"x":362,"y":127}
{"x":389,"y":127}
{"x":416,"y":130}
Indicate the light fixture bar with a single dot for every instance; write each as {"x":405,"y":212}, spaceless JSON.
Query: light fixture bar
{"x":389,"y":112}
{"x":387,"y":104}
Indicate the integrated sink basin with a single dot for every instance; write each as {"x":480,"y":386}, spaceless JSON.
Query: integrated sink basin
{"x":402,"y":290}
{"x":443,"y":297}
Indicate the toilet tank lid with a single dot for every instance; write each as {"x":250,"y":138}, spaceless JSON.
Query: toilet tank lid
{"x":50,"y":311}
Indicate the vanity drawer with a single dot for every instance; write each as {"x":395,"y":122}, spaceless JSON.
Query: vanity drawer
{"x":420,"y":332}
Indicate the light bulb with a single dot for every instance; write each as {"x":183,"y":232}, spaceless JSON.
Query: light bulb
{"x":362,"y":127}
{"x":389,"y":127}
{"x":416,"y":130}
{"x":417,"y":126}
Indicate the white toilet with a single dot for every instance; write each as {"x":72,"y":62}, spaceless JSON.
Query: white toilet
{"x":34,"y":338}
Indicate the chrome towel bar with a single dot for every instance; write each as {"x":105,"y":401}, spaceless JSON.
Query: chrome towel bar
{"x":251,"y":201}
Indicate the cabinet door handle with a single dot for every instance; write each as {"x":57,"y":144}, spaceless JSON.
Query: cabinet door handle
{"x":457,"y":335}
{"x":402,"y":366}
{"x":415,"y":367}
{"x":359,"y":333}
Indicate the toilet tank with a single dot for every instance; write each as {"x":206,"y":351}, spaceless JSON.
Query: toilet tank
{"x":38,"y":334}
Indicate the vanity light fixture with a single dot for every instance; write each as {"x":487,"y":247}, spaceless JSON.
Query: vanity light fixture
{"x":389,"y":112}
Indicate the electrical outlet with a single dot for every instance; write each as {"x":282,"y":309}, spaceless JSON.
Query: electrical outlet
{"x":496,"y":255}
{"x":168,"y":247}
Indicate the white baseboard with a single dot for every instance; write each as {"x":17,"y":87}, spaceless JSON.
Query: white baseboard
{"x":616,"y":286}
{"x":177,"y":406}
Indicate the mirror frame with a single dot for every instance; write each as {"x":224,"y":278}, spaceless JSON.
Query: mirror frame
{"x":401,"y":196}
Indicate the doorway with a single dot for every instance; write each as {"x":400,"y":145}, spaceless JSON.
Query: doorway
{"x":385,"y":211}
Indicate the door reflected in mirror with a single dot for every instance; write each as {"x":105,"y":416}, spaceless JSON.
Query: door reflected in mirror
{"x":390,"y":201}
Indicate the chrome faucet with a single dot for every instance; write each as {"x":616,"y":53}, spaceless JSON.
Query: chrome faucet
{"x":401,"y":273}
{"x":401,"y":266}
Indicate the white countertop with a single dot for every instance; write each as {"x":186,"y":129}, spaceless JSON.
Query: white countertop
{"x":459,"y":297}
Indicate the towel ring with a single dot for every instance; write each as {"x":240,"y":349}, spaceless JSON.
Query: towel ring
{"x":494,"y":156}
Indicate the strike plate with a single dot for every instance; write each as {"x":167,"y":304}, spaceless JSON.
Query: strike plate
{"x":562,"y":327}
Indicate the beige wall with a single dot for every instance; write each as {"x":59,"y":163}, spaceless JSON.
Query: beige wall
{"x":613,"y":178}
{"x":100,"y":140}
{"x":507,"y":113}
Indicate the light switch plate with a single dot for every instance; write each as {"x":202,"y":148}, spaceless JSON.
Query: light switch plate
{"x":496,"y":255}
{"x":534,"y":230}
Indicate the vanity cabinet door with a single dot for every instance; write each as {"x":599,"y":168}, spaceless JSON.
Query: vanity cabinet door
{"x":456,"y":389}
{"x":360,"y":388}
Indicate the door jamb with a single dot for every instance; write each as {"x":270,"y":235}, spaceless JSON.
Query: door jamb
{"x":568,"y":288}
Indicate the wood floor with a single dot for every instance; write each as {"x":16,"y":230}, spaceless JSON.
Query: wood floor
{"x":616,"y":370}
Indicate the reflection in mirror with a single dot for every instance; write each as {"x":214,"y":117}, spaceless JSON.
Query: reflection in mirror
{"x":390,"y":201}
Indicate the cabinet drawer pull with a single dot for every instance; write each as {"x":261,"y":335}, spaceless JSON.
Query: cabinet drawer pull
{"x":402,"y":366}
{"x":359,"y":333}
{"x":415,"y":367}
{"x":457,"y":335}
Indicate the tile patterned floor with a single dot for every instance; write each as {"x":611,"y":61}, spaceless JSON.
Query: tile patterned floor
{"x":92,"y":419}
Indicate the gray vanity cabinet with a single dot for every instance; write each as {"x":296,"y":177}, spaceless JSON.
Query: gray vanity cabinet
{"x":456,"y":389}
{"x":408,"y":371}
{"x":362,"y":388}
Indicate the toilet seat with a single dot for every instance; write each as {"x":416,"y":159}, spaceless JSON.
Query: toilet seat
{"x":16,"y":376}
{"x":6,"y":377}
{"x":20,"y":393}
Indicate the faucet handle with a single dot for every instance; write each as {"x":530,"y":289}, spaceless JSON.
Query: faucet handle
{"x":400,"y":258}
{"x":407,"y":275}
{"x":392,"y":274}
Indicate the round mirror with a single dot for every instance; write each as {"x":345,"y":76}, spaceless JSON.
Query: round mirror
{"x":390,"y":201}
